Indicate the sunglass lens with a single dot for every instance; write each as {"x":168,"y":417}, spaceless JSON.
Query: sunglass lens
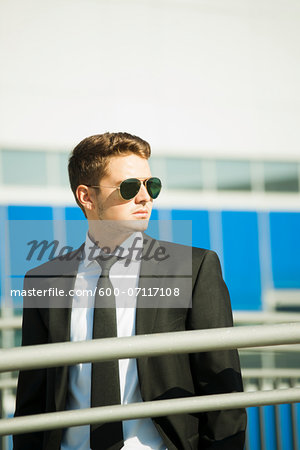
{"x":154,"y":187}
{"x":129,"y":188}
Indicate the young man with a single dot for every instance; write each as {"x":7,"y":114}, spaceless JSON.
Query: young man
{"x":112,"y":183}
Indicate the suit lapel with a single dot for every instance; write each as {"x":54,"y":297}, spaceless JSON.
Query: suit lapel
{"x":146,"y":305}
{"x":64,"y":279}
{"x":146,"y":312}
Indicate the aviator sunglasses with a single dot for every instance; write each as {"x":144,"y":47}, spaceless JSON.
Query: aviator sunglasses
{"x":129,"y":188}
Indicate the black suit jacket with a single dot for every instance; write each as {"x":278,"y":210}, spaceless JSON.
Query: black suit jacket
{"x":161,"y":377}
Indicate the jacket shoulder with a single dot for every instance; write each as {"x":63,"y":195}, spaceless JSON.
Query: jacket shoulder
{"x":196,"y":253}
{"x":59,"y":265}
{"x":181,"y":254}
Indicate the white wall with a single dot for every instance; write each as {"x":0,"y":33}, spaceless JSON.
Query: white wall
{"x":212,"y":77}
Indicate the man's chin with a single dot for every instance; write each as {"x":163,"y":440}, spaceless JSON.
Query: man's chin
{"x":136,"y":224}
{"x":120,"y":226}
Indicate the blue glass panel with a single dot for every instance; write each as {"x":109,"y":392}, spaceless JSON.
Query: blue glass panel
{"x":74,"y":213}
{"x":253,"y":428}
{"x":200,"y":227}
{"x":28,"y":226}
{"x":154,"y":214}
{"x":30,"y":212}
{"x":26,"y":240}
{"x":285,"y":246}
{"x":241,"y":258}
{"x":297,"y":407}
{"x":269,"y":427}
{"x":153,"y":227}
{"x":2,"y":246}
{"x":286,"y":427}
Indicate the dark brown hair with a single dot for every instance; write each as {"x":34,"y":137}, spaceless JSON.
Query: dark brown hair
{"x":89,"y":160}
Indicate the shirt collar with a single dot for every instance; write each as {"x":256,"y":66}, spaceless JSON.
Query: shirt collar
{"x":92,"y":251}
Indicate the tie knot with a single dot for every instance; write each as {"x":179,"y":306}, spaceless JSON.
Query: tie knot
{"x":106,"y":262}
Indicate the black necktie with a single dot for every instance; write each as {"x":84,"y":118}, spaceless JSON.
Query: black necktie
{"x":105,"y":389}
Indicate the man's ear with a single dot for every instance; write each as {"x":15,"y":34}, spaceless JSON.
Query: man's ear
{"x":83,"y":195}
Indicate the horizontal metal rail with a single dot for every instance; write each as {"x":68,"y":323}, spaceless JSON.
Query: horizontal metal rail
{"x":271,"y":348}
{"x":10,"y":323}
{"x":69,"y":353}
{"x":64,"y":419}
{"x":256,"y":317}
{"x":271,"y":373}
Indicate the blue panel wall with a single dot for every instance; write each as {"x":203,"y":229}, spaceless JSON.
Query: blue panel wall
{"x":153,"y":227}
{"x":297,"y":411}
{"x":2,"y":247}
{"x":200,"y":227}
{"x":241,"y":258}
{"x":29,"y":212}
{"x":74,"y":213}
{"x":286,"y":427}
{"x":285,"y":247}
{"x":26,"y":225}
{"x":239,"y":235}
{"x":253,"y":428}
{"x":269,"y":427}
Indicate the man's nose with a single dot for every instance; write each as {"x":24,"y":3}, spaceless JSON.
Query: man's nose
{"x":142,"y":195}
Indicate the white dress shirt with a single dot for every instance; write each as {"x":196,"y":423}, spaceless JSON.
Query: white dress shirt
{"x":140,"y":433}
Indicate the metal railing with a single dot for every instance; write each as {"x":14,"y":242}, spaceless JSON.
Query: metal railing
{"x":265,"y":423}
{"x":262,"y":386}
{"x":9,"y":323}
{"x":240,"y":318}
{"x":104,"y":414}
{"x":264,"y":317}
{"x":68,"y":353}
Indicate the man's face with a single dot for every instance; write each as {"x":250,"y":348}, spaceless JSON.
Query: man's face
{"x":111,"y":206}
